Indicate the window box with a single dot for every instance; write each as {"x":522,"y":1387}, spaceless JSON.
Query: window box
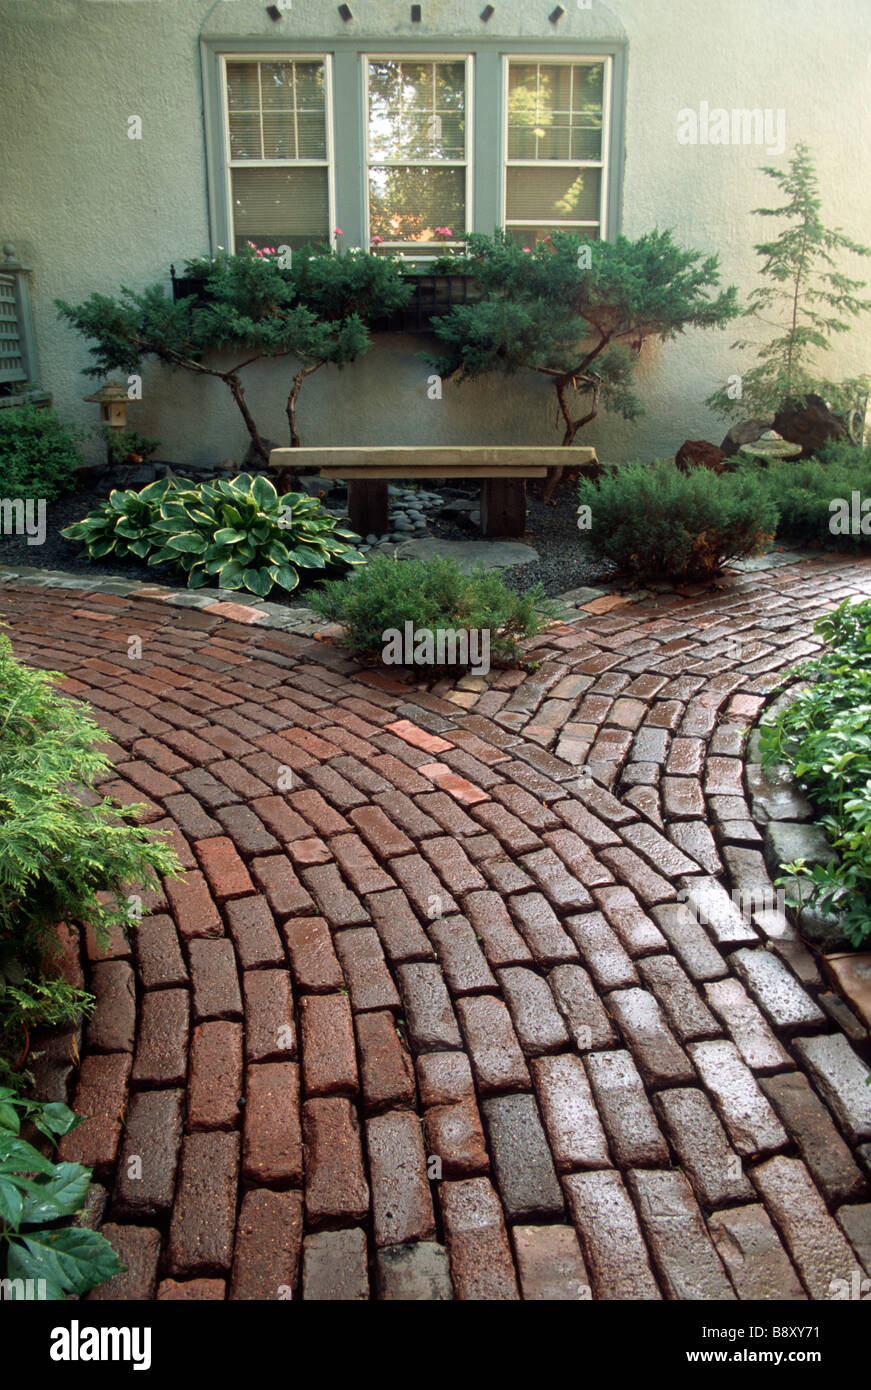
{"x":183,"y":286}
{"x":433,"y":296}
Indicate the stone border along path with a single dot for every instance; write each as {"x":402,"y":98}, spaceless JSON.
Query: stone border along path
{"x":631,"y":1088}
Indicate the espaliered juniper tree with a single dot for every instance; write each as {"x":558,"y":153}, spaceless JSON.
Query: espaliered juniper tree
{"x":805,"y":301}
{"x":577,"y":312}
{"x":252,"y":310}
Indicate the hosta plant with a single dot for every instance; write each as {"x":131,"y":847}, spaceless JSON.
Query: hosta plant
{"x":40,"y":1258}
{"x":236,"y":533}
{"x":123,"y":525}
{"x":240,"y":533}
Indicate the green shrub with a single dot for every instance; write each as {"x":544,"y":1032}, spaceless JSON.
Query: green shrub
{"x":655,"y":522}
{"x":35,"y":1195}
{"x":122,"y":445}
{"x":56,"y":853}
{"x":803,"y":490}
{"x":39,"y":454}
{"x":238,"y":533}
{"x":824,"y":735}
{"x":435,"y":596}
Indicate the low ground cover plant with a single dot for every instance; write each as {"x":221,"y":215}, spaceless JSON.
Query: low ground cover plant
{"x":804,"y":490}
{"x":432,"y":596}
{"x":655,"y":522}
{"x":824,"y":735}
{"x":39,"y":453}
{"x":236,"y":533}
{"x":40,"y":1256}
{"x":61,"y":860}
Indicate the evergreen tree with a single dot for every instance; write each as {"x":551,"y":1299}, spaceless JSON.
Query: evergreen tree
{"x":577,"y":312}
{"x":314,"y":310}
{"x":806,"y":300}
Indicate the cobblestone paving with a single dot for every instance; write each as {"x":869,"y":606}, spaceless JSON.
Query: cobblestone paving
{"x":488,"y":929}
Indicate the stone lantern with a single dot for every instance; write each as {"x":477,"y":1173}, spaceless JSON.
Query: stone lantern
{"x":112,"y":400}
{"x":771,"y":446}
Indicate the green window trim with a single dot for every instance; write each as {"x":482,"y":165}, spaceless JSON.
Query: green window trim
{"x":349,"y":169}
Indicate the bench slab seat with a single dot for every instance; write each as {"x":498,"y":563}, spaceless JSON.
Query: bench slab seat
{"x":503,"y":470}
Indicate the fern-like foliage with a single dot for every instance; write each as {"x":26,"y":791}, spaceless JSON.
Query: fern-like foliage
{"x":66,"y":854}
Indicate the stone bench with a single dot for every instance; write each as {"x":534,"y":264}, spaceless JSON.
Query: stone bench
{"x":502,"y":469}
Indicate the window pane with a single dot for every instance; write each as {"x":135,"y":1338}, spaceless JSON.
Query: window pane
{"x":245,"y":140}
{"x":284,"y":100}
{"x":408,"y":204}
{"x":554,"y":195}
{"x":310,"y":86}
{"x":279,"y":135}
{"x":312,"y":135}
{"x":279,"y":206}
{"x":277,"y":86}
{"x":416,"y":110}
{"x":243,"y":86}
{"x":555,"y":110}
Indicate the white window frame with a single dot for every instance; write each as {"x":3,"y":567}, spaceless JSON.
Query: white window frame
{"x":329,"y":163}
{"x":561,"y":60}
{"x":408,"y":248}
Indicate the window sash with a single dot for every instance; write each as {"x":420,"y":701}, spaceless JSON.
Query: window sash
{"x":425,"y":249}
{"x":287,"y":162}
{"x":558,"y":60}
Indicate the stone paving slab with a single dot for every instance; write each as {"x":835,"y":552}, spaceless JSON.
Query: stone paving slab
{"x":459,"y":995}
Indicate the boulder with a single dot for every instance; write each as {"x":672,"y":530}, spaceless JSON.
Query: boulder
{"x":745,"y":432}
{"x":698,"y":453}
{"x":809,"y":423}
{"x":252,"y":462}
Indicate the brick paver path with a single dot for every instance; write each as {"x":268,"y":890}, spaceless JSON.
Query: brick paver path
{"x":414,"y":936}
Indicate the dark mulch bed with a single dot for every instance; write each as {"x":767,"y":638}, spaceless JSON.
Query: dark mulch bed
{"x":566,"y":560}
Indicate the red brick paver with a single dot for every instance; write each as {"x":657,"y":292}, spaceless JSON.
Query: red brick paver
{"x":454,"y":993}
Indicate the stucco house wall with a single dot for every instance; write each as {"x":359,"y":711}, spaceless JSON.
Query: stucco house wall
{"x":92,"y":209}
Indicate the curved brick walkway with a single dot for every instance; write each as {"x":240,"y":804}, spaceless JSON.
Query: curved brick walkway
{"x":443,"y":918}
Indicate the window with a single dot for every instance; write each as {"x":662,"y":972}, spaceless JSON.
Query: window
{"x":395,"y":144}
{"x":278,"y":150}
{"x":556,"y":141}
{"x":417,"y":153}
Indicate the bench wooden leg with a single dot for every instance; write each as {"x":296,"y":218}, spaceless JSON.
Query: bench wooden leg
{"x":503,"y":507}
{"x":367,"y":506}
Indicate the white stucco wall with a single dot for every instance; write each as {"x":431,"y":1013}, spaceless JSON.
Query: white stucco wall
{"x":92,"y":209}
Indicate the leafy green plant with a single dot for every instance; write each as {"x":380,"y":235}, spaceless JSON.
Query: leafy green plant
{"x":655,"y":522}
{"x":824,"y":736}
{"x":125,"y":524}
{"x":804,"y":296}
{"x":433,"y":595}
{"x":61,"y":860}
{"x":235,"y":532}
{"x":578,"y":313}
{"x":124,"y":446}
{"x":40,"y":1257}
{"x":39,"y":453}
{"x":803,"y":490}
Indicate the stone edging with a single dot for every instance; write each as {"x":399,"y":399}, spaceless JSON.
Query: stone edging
{"x":784,"y":818}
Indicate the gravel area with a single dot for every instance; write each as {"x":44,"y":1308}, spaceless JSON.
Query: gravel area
{"x":566,"y":560}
